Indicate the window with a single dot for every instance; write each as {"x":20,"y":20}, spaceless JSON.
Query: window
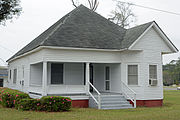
{"x":56,"y":73}
{"x":23,"y":72}
{"x":15,"y":76}
{"x":132,"y":74}
{"x":153,"y":71}
{"x":107,"y":78}
{"x":10,"y":74}
{"x":107,"y":73}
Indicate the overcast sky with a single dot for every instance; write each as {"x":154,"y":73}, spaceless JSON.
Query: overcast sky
{"x":38,"y":15}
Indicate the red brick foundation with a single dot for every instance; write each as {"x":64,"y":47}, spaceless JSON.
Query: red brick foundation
{"x":148,"y":103}
{"x":139,"y":103}
{"x":80,"y":103}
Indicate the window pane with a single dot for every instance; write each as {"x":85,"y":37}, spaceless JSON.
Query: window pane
{"x":10,"y":74}
{"x":56,"y":73}
{"x":132,"y":70}
{"x":107,"y":73}
{"x":23,"y":72}
{"x":153,"y":71}
{"x":107,"y":85}
{"x":132,"y":75}
{"x":15,"y":76}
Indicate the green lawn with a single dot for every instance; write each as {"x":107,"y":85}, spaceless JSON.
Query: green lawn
{"x":170,"y":111}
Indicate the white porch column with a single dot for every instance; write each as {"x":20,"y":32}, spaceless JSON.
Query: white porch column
{"x":44,"y":79}
{"x":87,"y":78}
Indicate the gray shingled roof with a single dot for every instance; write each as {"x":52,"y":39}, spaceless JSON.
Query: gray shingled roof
{"x":83,"y":28}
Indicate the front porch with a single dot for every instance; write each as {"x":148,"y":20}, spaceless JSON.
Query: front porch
{"x":49,"y":78}
{"x":79,"y":81}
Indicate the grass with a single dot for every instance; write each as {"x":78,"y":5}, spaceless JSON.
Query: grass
{"x":169,"y":111}
{"x":172,"y":86}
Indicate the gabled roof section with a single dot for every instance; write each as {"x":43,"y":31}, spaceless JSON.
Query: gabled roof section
{"x":143,"y":29}
{"x":133,"y":34}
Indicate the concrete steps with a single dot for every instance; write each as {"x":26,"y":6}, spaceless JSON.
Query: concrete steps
{"x":111,"y":101}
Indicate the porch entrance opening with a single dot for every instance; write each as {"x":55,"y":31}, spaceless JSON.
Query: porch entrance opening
{"x":105,"y":77}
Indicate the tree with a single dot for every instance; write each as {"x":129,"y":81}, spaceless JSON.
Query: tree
{"x":171,"y":72}
{"x":93,"y":4}
{"x":9,"y":9}
{"x":123,"y":14}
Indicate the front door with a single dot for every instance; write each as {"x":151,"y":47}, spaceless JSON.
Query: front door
{"x":107,"y":78}
{"x":91,"y":76}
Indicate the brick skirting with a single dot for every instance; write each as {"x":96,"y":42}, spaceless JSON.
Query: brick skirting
{"x":148,"y":103}
{"x":80,"y":103}
{"x":139,"y":103}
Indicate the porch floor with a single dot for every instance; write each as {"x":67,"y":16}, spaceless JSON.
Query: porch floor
{"x":106,"y":93}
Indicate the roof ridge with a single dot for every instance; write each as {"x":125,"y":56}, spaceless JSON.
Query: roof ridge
{"x":141,"y":25}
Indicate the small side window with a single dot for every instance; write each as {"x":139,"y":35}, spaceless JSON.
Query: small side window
{"x":10,"y":74}
{"x":23,"y":72}
{"x":15,"y":76}
{"x":152,"y":73}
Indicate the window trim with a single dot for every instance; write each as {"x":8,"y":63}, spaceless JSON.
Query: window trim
{"x":137,"y":73}
{"x":63,"y":74}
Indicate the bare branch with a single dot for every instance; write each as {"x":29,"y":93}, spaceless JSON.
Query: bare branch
{"x":96,"y":6}
{"x":123,"y":14}
{"x":90,"y":4}
{"x":74,"y":3}
{"x":93,"y":4}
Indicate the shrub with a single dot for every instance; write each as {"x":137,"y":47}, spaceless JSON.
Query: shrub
{"x":55,"y":103}
{"x":29,"y":104}
{"x":10,"y":98}
{"x":49,"y":103}
{"x":21,"y":101}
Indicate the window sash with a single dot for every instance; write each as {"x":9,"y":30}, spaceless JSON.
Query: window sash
{"x":152,"y":71}
{"x":107,"y":73}
{"x":15,"y":76}
{"x":132,"y":74}
{"x":10,"y":74}
{"x":107,"y":85}
{"x":23,"y":72}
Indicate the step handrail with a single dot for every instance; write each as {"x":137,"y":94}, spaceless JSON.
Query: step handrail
{"x":99,"y":96}
{"x":132,"y":98}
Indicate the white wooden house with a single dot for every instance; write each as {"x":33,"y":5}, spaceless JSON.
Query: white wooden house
{"x":94,"y":61}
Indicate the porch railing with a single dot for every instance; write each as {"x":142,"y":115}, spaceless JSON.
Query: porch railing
{"x":129,"y":93}
{"x":98,"y":101}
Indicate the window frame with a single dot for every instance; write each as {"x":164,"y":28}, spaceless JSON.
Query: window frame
{"x":137,"y":74}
